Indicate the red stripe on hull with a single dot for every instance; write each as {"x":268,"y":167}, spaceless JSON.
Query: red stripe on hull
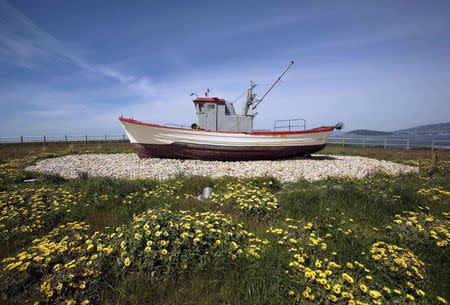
{"x":222,"y":153}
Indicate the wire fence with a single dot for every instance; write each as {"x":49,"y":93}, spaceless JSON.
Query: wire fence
{"x":405,"y":143}
{"x":65,"y":139}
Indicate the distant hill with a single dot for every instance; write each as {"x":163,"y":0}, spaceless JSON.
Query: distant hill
{"x":442,"y":129}
{"x":366,"y":132}
{"x":432,"y":129}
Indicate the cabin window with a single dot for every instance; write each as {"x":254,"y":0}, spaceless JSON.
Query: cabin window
{"x":200,"y":108}
{"x":210,"y":106}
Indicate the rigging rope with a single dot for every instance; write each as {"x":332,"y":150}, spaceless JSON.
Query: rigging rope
{"x":240,"y":96}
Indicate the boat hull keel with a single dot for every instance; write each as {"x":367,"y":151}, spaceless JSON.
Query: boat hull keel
{"x":222,"y":153}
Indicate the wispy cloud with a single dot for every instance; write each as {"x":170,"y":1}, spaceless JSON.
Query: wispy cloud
{"x":386,"y":33}
{"x":22,"y":39}
{"x":20,"y":47}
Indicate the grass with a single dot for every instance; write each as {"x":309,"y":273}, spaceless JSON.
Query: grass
{"x":366,"y":207}
{"x":9,"y":151}
{"x":392,"y":154}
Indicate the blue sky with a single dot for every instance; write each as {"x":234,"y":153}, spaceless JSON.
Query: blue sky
{"x":73,"y":67}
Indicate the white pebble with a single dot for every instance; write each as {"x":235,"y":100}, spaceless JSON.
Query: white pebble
{"x":131,"y":167}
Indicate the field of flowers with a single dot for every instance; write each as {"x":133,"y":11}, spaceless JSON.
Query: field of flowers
{"x":379,"y":240}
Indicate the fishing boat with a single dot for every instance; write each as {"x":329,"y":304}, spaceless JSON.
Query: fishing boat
{"x":222,"y":134}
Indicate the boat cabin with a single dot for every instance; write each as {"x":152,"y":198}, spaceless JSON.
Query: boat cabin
{"x":217,"y":114}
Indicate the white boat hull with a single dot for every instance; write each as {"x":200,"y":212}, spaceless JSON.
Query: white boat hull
{"x":151,"y":140}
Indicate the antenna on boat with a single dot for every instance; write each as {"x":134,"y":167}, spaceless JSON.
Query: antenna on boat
{"x":271,"y":87}
{"x":192,"y":94}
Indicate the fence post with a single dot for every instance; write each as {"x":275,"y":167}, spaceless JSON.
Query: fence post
{"x":106,"y":141}
{"x":364,"y":142}
{"x":21,"y":139}
{"x":45,"y":141}
{"x":85,"y":138}
{"x":65,"y":137}
{"x":123,"y":136}
{"x":407,"y":144}
{"x":385,"y":144}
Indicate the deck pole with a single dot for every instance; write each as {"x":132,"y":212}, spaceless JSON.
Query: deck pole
{"x":123,"y":137}
{"x":343,"y":142}
{"x":45,"y":141}
{"x":85,"y":138}
{"x":65,"y":137}
{"x":385,"y":144}
{"x":364,"y":142}
{"x":407,"y":144}
{"x":432,"y":145}
{"x":21,"y":139}
{"x":106,"y":139}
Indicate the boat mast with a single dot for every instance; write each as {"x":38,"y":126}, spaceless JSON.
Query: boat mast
{"x":250,"y":98}
{"x":273,"y":85}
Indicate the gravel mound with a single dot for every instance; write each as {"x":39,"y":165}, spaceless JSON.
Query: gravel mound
{"x":131,"y":167}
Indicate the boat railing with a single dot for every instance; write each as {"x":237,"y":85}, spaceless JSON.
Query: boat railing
{"x":289,"y":124}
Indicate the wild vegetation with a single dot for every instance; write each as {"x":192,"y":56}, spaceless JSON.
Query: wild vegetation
{"x":378,"y":240}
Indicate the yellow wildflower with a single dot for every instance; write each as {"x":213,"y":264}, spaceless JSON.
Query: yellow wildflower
{"x":374,"y":294}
